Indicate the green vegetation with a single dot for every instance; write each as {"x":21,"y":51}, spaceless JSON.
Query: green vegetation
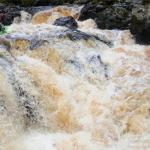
{"x":4,"y":30}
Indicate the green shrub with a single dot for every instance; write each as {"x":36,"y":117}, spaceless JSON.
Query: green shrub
{"x":4,"y":30}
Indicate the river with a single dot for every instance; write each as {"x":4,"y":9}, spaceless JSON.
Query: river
{"x":62,"y":89}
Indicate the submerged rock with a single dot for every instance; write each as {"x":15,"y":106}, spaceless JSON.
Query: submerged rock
{"x":75,"y":35}
{"x":69,"y":22}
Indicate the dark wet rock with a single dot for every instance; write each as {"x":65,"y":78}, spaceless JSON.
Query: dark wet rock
{"x":9,"y":17}
{"x":75,"y":35}
{"x":9,"y":12}
{"x":1,"y":12}
{"x":116,"y":16}
{"x":1,"y":17}
{"x":2,"y":28}
{"x":124,"y":14}
{"x":140,"y":24}
{"x":68,"y":22}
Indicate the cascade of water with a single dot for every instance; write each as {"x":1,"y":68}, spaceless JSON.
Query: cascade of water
{"x":63,"y":89}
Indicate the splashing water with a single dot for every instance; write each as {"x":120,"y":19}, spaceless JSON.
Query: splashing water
{"x":67,"y":90}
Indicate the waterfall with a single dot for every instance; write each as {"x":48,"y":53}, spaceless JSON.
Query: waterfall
{"x":63,"y":89}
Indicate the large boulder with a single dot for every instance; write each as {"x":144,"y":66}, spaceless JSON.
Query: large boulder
{"x":140,"y":24}
{"x":67,"y":22}
{"x":8,"y":13}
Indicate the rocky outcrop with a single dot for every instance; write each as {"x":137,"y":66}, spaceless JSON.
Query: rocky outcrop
{"x":7,"y":14}
{"x":107,"y":17}
{"x":140,"y":24}
{"x":127,"y":14}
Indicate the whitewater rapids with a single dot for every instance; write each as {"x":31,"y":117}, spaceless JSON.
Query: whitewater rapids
{"x":62,"y":94}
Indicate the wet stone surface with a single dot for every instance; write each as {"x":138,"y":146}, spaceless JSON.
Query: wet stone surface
{"x":68,"y":22}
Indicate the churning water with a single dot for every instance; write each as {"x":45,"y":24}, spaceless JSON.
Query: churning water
{"x":72,"y":90}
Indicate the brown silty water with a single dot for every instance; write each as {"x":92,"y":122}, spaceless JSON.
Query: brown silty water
{"x":59,"y":93}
